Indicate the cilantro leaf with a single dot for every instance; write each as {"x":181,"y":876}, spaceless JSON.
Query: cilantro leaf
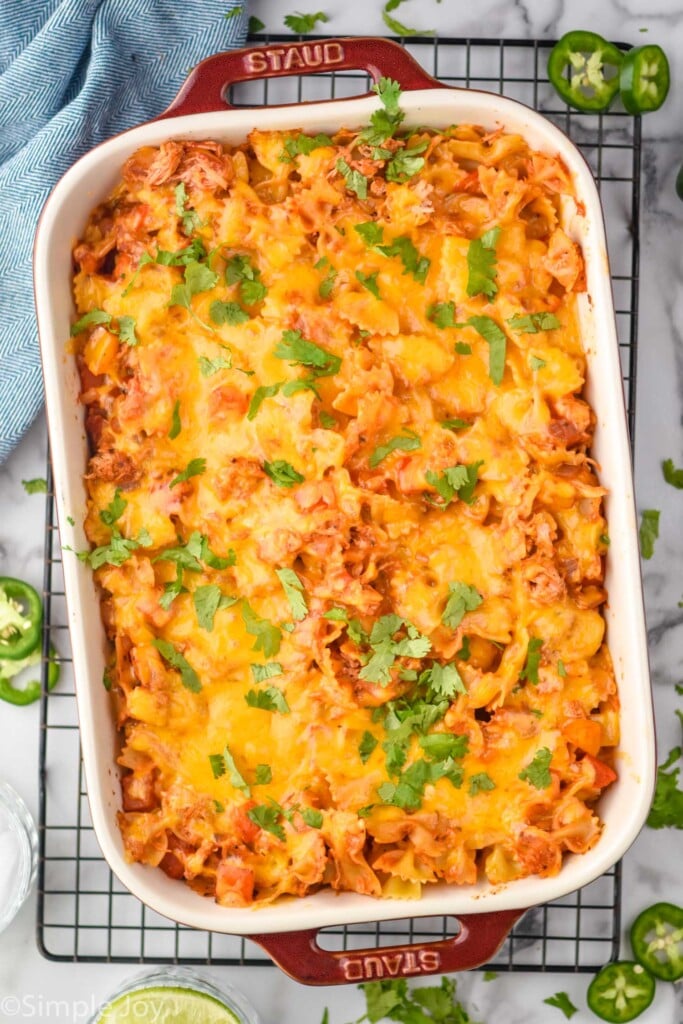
{"x":264,"y":775}
{"x":481,"y":782}
{"x":489,"y":330}
{"x":282,"y":473}
{"x":207,"y":600}
{"x":176,"y":660}
{"x":672,"y":475}
{"x":190,"y":218}
{"x":481,"y":265}
{"x":462,"y":348}
{"x":236,"y":777}
{"x":406,"y":163}
{"x":217,"y":765}
{"x":312,"y":816}
{"x":266,"y":817}
{"x":114,"y":509}
{"x":562,"y":1001}
{"x":462,"y":598}
{"x":326,"y":285}
{"x":667,"y":806}
{"x":442,"y":314}
{"x":649,"y":532}
{"x":294,"y":592}
{"x":367,"y":744}
{"x":326,"y":421}
{"x":36,"y":486}
{"x":536,"y":364}
{"x":230,"y":313}
{"x":369,"y":281}
{"x":336,"y":615}
{"x":355,"y":181}
{"x":303,"y":145}
{"x":208,"y":366}
{"x":441,"y":745}
{"x":402,"y":442}
{"x":240,"y":270}
{"x":385,"y":121}
{"x":255,"y":25}
{"x":455,"y":424}
{"x":304,"y":23}
{"x":533,"y":660}
{"x":259,"y":396}
{"x":385,"y":649}
{"x":300,"y":352}
{"x":95,"y":316}
{"x":443,"y":681}
{"x":268,"y":636}
{"x":534,"y":322}
{"x":371,"y":232}
{"x":460,"y":480}
{"x":197,"y":278}
{"x":410,"y":257}
{"x":537,"y":772}
{"x":126,"y":330}
{"x":270,"y":699}
{"x":176,"y":425}
{"x":268,"y":671}
{"x":172,"y":588}
{"x":195,"y":467}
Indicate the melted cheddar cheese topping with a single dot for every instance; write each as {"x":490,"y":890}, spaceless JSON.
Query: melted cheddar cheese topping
{"x":349,"y":540}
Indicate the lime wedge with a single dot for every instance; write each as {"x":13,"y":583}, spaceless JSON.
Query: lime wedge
{"x":170,"y":1005}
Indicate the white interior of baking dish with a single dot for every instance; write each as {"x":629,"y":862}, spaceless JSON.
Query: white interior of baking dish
{"x":624,"y":806}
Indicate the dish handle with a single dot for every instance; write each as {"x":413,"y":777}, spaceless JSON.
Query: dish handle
{"x":205,"y":89}
{"x":302,"y":958}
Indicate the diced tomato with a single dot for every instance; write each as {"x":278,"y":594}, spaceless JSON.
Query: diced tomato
{"x":604,"y":775}
{"x":234,"y":883}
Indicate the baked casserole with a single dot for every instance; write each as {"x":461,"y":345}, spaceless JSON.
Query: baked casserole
{"x":348,"y":535}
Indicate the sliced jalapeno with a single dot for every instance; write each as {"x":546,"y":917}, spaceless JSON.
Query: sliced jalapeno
{"x":644,"y":79}
{"x":657,"y":940}
{"x":621,"y":991}
{"x":593,"y":65}
{"x":21,"y":619}
{"x":31,"y":692}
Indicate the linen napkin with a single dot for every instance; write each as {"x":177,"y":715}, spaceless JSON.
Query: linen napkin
{"x":72,"y":73}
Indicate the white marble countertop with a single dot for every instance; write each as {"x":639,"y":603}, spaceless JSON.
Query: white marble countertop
{"x":652,"y":866}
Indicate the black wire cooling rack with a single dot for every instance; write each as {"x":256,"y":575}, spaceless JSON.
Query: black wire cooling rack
{"x":84,"y":914}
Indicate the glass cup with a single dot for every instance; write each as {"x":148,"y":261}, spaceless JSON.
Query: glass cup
{"x":18,"y":853}
{"x":176,"y":978}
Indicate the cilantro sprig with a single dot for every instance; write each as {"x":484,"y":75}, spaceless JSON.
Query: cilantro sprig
{"x":532,"y":323}
{"x":385,"y":121}
{"x":302,"y":24}
{"x":385,"y":646}
{"x":282,"y":473}
{"x":355,"y":181}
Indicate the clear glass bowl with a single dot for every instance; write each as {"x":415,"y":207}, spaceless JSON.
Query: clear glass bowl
{"x":18,"y":853}
{"x":180,"y":978}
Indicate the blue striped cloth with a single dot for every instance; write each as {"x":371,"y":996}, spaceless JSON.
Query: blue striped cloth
{"x":72,"y":73}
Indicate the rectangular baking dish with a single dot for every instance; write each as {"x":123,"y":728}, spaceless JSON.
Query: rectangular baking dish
{"x":288,"y":929}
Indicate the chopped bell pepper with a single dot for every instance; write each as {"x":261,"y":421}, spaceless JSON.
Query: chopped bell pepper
{"x":593,"y":64}
{"x":21,"y":619}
